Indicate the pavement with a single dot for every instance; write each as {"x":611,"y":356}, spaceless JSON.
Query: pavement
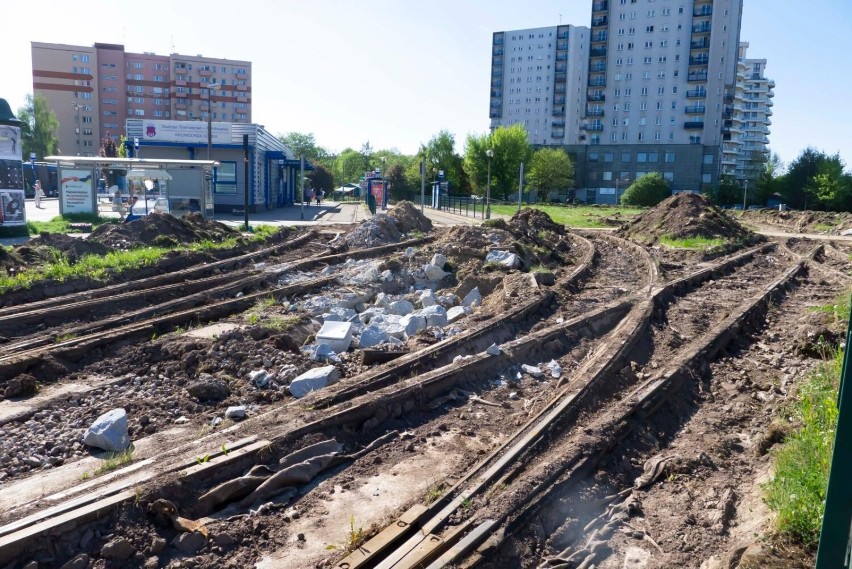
{"x":327,"y":213}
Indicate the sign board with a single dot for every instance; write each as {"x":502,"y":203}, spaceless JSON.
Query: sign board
{"x":606,"y":191}
{"x":191,"y":132}
{"x":377,"y":189}
{"x":12,"y":204}
{"x":76,"y":193}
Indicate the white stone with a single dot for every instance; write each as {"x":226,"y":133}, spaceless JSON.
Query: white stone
{"x":434,"y":272}
{"x":412,"y":324}
{"x":338,"y":335}
{"x":503,"y":258}
{"x":427,"y":298}
{"x":314,"y":379}
{"x":387,"y":275}
{"x":448,"y":300}
{"x":493,"y":350}
{"x":410,"y":252}
{"x":400,"y":307}
{"x":323,"y":352}
{"x":259,"y":378}
{"x":367,"y":315}
{"x":532,"y":370}
{"x":471,"y":297}
{"x":390,"y":323}
{"x":109,"y":432}
{"x":456,"y":312}
{"x":435,"y":315}
{"x":339,"y":314}
{"x":383,"y":300}
{"x":555,"y":368}
{"x":371,"y":336}
{"x":236,"y":412}
{"x":394,"y":341}
{"x":439,"y":260}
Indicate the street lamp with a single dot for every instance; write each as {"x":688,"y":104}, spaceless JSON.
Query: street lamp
{"x":384,"y":183}
{"x":745,"y":193}
{"x":211,"y":87}
{"x":490,"y":154}
{"x":78,"y":131}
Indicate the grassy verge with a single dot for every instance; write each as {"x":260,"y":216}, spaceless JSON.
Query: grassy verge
{"x":575,"y":216}
{"x":692,"y":242}
{"x":62,"y":224}
{"x":797,"y":491}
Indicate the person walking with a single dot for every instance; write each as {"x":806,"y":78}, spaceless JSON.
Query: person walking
{"x":38,"y":193}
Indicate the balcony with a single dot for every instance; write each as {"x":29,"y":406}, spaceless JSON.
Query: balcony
{"x":596,"y":98}
{"x":600,"y":21}
{"x":597,"y":127}
{"x":597,"y":67}
{"x":559,"y":101}
{"x":496,"y":83}
{"x":599,"y":82}
{"x":242,"y":87}
{"x":695,"y":110}
{"x":693,"y":125}
{"x":497,"y":62}
{"x":557,"y":124}
{"x":699,"y":60}
{"x":597,"y":52}
{"x":497,"y":51}
{"x":703,"y":11}
{"x":703,"y":43}
{"x":494,"y":115}
{"x":561,"y":57}
{"x":595,"y":113}
{"x":557,"y":134}
{"x":561,"y":68}
{"x":600,"y":6}
{"x":598,"y":37}
{"x":696,"y":93}
{"x":702,"y":28}
{"x":562,"y":36}
{"x":205,"y":72}
{"x":558,"y":112}
{"x":497,"y":73}
{"x":242,"y":99}
{"x":560,"y":78}
{"x":702,"y":76}
{"x":559,"y":89}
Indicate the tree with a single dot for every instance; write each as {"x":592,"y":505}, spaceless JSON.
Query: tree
{"x":551,"y":170}
{"x":399,"y":186}
{"x":728,"y":192}
{"x":799,"y":175}
{"x":439,"y":154}
{"x":350,"y":166}
{"x":321,"y":179}
{"x":831,"y":189}
{"x":768,"y":181}
{"x":109,"y":149}
{"x":648,"y":190}
{"x":510,"y":146}
{"x":40,"y":128}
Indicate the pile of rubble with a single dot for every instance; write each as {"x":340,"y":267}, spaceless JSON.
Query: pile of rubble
{"x":385,"y":228}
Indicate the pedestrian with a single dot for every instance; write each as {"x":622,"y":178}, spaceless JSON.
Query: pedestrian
{"x":118,"y":205}
{"x":39,"y":193}
{"x":130,"y":215}
{"x":318,"y":196}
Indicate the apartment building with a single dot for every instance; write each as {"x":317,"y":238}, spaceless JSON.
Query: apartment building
{"x":746,"y":119}
{"x":538,"y":79}
{"x":94,"y":89}
{"x":660,"y":76}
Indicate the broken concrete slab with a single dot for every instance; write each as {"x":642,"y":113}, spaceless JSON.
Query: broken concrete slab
{"x":236,"y":412}
{"x":337,"y":335}
{"x":400,"y":307}
{"x":439,"y":260}
{"x":435,"y":315}
{"x":390,"y":323}
{"x":339,"y":314}
{"x":372,"y":336}
{"x":473,"y":297}
{"x":503,"y":258}
{"x":434,"y":272}
{"x":109,"y":432}
{"x":448,"y":300}
{"x":413,"y":324}
{"x":428,"y":298}
{"x":313,"y":380}
{"x":368,"y":314}
{"x":457,"y":312}
{"x":534,"y":371}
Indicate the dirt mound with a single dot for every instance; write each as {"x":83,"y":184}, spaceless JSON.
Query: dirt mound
{"x":10,"y":260}
{"x":44,"y":248}
{"x":462,"y":243}
{"x":162,"y":230}
{"x":537,"y":227}
{"x":685,"y":216}
{"x":380,"y":229}
{"x":408,"y":218}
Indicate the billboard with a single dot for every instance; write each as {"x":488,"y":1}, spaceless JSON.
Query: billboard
{"x":76,"y":194}
{"x":12,"y":204}
{"x":190,"y":132}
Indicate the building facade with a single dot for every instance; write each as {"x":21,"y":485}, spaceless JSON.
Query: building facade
{"x":537,"y":80}
{"x":745,"y":130}
{"x":94,"y":89}
{"x":660,"y":81}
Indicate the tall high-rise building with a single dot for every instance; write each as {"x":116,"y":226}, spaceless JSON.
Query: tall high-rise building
{"x":660,"y":78}
{"x":538,"y":79}
{"x":745,"y":127}
{"x":94,"y":89}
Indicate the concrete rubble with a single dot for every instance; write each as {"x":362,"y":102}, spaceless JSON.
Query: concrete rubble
{"x":313,"y":380}
{"x":504,"y":258}
{"x":473,"y":298}
{"x":109,"y":432}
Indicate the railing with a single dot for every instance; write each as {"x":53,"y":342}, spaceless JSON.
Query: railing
{"x":593,"y":127}
{"x":557,"y":134}
{"x":557,"y":124}
{"x":601,"y":36}
{"x":702,"y":28}
{"x":558,"y":113}
{"x":597,"y":52}
{"x":697,"y":77}
{"x":599,"y":21}
{"x":561,"y":68}
{"x":597,"y":83}
{"x":695,"y":110}
{"x":559,"y":88}
{"x":600,"y":6}
{"x":693,"y":124}
{"x":597,"y":68}
{"x":699,"y":60}
{"x":703,"y":11}
{"x":694,"y":93}
{"x":563,"y":45}
{"x":559,"y":101}
{"x":703,"y":43}
{"x":596,"y":98}
{"x":498,"y":51}
{"x":561,"y":57}
{"x":595,"y":113}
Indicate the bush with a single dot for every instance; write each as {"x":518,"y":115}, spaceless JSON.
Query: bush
{"x":647,"y":191}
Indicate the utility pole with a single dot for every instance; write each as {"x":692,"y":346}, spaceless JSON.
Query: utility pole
{"x":422,"y":184}
{"x":520,"y":187}
{"x":745,"y":193}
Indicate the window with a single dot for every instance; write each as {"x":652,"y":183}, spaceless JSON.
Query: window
{"x":659,"y":105}
{"x":705,"y":178}
{"x":608,"y":156}
{"x":649,"y":44}
{"x":708,"y":158}
{"x":225,"y":178}
{"x":644,"y":91}
{"x":658,"y":121}
{"x":646,"y":60}
{"x":661,"y":90}
{"x":642,"y":121}
{"x":670,"y":157}
{"x":615,"y":121}
{"x":662,"y":59}
{"x":625,"y":157}
{"x":139,"y":112}
{"x":641,"y":157}
{"x":593,"y":156}
{"x":607,"y":176}
{"x":668,"y":176}
{"x":626,"y":107}
{"x":649,"y":29}
{"x":643,"y":106}
{"x":667,"y":11}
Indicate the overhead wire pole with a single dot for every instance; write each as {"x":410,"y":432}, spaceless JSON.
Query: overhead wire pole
{"x":521,"y":187}
{"x":302,"y":186}
{"x":422,"y":184}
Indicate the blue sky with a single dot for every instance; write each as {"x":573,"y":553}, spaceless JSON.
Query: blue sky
{"x":394,"y":73}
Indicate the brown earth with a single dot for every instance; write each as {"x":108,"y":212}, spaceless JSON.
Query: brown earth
{"x":162,"y":230}
{"x":818,"y":222}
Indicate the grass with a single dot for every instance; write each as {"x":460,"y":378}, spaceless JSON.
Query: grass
{"x":574,"y":216}
{"x":539,"y":269}
{"x":280,"y":323}
{"x":797,"y":491}
{"x":62,"y":224}
{"x":692,"y":242}
{"x":115,"y":460}
{"x":356,"y":535}
{"x":433,"y":493}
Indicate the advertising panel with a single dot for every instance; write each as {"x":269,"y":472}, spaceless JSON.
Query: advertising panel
{"x":76,"y":193}
{"x":192,"y":132}
{"x":12,"y":204}
{"x":377,"y":188}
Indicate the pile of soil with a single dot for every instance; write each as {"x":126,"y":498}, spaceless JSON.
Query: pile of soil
{"x":537,"y":227}
{"x":10,"y":260}
{"x":827,"y":222}
{"x":408,"y":218}
{"x":44,"y":248}
{"x":685,"y":216}
{"x":162,"y":230}
{"x":462,"y":243}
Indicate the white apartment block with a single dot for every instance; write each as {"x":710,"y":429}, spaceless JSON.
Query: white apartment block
{"x":659,"y":70}
{"x":747,"y":112}
{"x":538,"y":80}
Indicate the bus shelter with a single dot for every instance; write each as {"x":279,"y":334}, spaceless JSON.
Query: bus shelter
{"x":92,"y":184}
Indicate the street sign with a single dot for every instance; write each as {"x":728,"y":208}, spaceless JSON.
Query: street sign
{"x":32,"y":156}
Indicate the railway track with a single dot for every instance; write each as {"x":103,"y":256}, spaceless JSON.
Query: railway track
{"x":603,"y":339}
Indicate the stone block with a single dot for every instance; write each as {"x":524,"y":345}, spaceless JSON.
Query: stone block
{"x":337,"y":335}
{"x":109,"y":432}
{"x":313,"y":380}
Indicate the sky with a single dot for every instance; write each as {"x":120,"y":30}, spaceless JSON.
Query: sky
{"x":394,"y":73}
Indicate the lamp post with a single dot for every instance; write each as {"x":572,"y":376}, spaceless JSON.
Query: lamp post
{"x":490,"y":154}
{"x":384,"y":183}
{"x":211,"y":87}
{"x":745,"y":193}
{"x":78,"y":131}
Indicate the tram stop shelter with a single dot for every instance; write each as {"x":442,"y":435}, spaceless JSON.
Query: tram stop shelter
{"x":87,"y":184}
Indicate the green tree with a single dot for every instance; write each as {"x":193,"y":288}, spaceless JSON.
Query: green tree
{"x":551,"y":170}
{"x":831,"y":188}
{"x":321,"y":179}
{"x":801,"y":171}
{"x":648,"y":190}
{"x":768,"y":181}
{"x":439,"y":154}
{"x":728,"y":192}
{"x":349,"y":166}
{"x":40,"y":128}
{"x":510,"y":147}
{"x":400,"y":189}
